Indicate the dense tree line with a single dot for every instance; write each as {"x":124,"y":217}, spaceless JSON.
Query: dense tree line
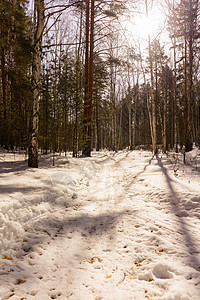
{"x":15,"y":73}
{"x":70,"y":81}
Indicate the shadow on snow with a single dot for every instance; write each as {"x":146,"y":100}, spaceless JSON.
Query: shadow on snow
{"x":193,"y":260}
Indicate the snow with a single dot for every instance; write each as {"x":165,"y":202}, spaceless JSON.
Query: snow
{"x":192,"y":155}
{"x":114,"y":226}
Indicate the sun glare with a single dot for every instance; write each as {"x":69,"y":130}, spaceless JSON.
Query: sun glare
{"x":145,"y":26}
{"x":142,"y":26}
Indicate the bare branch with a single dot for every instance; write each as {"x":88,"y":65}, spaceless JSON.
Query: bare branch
{"x":52,"y":24}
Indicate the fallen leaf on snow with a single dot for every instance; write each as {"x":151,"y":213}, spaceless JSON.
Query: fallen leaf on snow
{"x":10,"y":296}
{"x":93,"y":259}
{"x":20,"y":281}
{"x":137,"y":264}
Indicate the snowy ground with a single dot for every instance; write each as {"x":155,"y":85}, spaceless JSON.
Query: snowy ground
{"x":114,"y":226}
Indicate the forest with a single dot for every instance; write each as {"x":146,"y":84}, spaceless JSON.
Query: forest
{"x":78,"y":75}
{"x":99,"y":149}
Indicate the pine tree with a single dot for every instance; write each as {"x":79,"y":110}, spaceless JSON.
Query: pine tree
{"x":15,"y":55}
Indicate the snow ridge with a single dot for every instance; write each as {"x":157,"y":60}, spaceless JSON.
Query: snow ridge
{"x":114,"y":226}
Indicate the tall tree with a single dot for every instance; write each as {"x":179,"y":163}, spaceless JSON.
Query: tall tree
{"x":39,"y":22}
{"x":89,"y":66}
{"x":153,"y":102}
{"x":15,"y":58}
{"x":185,"y":18}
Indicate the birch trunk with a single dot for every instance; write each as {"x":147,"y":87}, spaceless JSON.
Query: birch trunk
{"x":153,"y":101}
{"x":130,"y":122}
{"x":175,"y":101}
{"x":36,"y":66}
{"x":153,"y":104}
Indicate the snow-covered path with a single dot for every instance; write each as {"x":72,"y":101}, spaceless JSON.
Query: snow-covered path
{"x":113,"y":226}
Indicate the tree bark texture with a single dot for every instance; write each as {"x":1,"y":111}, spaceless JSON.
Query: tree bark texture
{"x":89,"y":65}
{"x":36,"y":66}
{"x":175,"y":101}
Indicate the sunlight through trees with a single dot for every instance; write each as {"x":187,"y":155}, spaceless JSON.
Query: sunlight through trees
{"x":88,"y":74}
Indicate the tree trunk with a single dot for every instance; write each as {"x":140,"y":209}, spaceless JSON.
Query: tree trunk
{"x":136,"y":101}
{"x":147,"y":100}
{"x":120,"y":128}
{"x":175,"y":101}
{"x":78,"y":89}
{"x":165,"y":117}
{"x":4,"y":141}
{"x":36,"y":66}
{"x":130,"y":121}
{"x":153,"y":102}
{"x":189,"y":134}
{"x":97,"y":126}
{"x":91,"y":79}
{"x":89,"y":65}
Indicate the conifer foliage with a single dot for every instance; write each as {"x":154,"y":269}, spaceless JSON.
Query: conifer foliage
{"x":15,"y":56}
{"x":70,"y":80}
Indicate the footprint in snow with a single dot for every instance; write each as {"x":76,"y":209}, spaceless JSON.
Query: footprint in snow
{"x":54,"y":295}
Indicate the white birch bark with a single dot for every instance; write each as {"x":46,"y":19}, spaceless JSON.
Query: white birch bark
{"x":36,"y":66}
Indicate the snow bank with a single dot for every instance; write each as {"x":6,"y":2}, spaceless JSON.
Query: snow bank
{"x":114,"y":226}
{"x":191,"y":155}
